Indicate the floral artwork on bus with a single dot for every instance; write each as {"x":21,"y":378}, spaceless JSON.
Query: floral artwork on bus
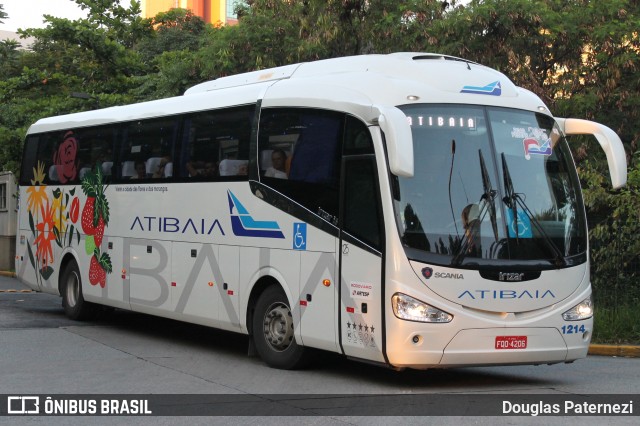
{"x":64,"y":158}
{"x":49,"y":221}
{"x":54,"y":217}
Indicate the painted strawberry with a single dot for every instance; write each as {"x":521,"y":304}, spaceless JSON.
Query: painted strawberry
{"x":95,"y":213}
{"x":88,"y":212}
{"x":99,"y":267}
{"x":95,"y":217}
{"x":99,"y":232}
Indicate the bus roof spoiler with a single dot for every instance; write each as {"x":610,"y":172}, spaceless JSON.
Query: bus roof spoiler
{"x":399,"y":140}
{"x":609,"y":141}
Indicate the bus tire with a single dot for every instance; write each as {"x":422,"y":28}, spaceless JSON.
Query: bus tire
{"x":75,"y":307}
{"x":273,"y":331}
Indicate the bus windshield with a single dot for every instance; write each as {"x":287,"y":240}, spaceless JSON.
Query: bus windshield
{"x":492,"y":186}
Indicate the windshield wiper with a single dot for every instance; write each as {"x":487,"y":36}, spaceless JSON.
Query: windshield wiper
{"x":488,"y":205}
{"x":486,"y":185}
{"x":512,"y":199}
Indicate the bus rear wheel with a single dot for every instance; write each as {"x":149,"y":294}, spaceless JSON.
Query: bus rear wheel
{"x":273,"y":331}
{"x":75,"y":307}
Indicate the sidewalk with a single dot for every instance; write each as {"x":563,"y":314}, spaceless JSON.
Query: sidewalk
{"x":629,"y":351}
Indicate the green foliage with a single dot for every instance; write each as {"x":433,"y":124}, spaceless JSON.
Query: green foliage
{"x":616,"y":324}
{"x":614,"y":230}
{"x":175,"y":30}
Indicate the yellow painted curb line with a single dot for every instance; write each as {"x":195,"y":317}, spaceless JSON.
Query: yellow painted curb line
{"x":8,"y":274}
{"x":615,"y":350}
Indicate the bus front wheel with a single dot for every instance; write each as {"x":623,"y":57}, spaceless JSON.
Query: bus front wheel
{"x":273,"y":331}
{"x":75,"y":307}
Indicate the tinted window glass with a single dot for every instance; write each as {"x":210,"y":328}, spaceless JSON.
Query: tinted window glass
{"x":217,"y":144}
{"x":489,"y":183}
{"x":299,"y":153}
{"x":361,"y":209}
{"x":64,"y":157}
{"x":150,"y":144}
{"x":357,"y":139}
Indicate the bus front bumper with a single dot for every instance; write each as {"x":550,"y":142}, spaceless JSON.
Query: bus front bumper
{"x":480,"y":347}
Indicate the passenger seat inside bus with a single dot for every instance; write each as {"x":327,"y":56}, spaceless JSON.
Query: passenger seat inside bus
{"x":106,"y":168}
{"x":152,"y":165}
{"x":232,"y":167}
{"x":53,"y":174}
{"x":128,"y":169}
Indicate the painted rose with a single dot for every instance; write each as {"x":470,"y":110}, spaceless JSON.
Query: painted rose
{"x":65,"y":158}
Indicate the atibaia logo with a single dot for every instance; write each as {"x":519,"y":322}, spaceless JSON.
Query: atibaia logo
{"x":492,"y":89}
{"x":244,"y":225}
{"x":534,"y":147}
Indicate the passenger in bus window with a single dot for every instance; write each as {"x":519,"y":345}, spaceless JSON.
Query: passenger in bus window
{"x":278,"y":162}
{"x":202,"y":169}
{"x":471,"y":224}
{"x":164,"y":169}
{"x":141,"y":170}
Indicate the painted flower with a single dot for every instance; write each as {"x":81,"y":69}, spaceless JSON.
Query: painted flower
{"x":59,"y":219}
{"x":65,"y":158}
{"x":36,"y":196}
{"x":44,"y":252}
{"x":38,"y":174}
{"x":75,"y":210}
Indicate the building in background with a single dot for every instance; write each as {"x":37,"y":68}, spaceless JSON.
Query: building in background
{"x":25,"y":43}
{"x":8,"y":219}
{"x":211,"y":11}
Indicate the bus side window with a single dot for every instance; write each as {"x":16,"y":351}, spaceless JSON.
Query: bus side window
{"x":217,"y":144}
{"x":151,"y":142}
{"x":361,"y":208}
{"x":30,"y":161}
{"x":357,"y":139}
{"x":313,"y":137}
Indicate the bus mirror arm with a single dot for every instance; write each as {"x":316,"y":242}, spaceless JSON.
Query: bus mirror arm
{"x":399,"y":140}
{"x":608,"y":140}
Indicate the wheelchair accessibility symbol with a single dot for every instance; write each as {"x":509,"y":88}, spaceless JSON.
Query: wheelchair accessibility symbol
{"x":520,"y":228}
{"x":299,"y":236}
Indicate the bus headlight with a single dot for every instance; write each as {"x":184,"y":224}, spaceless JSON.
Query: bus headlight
{"x":581,"y":311}
{"x":407,"y":308}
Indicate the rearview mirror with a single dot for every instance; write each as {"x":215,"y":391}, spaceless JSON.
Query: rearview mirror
{"x":399,"y":140}
{"x":609,"y":141}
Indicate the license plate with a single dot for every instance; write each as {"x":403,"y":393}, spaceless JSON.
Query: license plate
{"x":511,"y":342}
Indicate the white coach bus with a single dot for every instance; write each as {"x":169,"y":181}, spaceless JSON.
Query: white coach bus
{"x":413,"y":210}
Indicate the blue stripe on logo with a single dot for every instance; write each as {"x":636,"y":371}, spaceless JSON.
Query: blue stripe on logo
{"x":244,"y":225}
{"x":493,"y":89}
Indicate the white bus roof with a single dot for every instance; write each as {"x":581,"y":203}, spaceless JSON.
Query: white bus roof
{"x":354,"y":84}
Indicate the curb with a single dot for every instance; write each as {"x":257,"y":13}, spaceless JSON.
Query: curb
{"x":629,"y":351}
{"x":8,"y":274}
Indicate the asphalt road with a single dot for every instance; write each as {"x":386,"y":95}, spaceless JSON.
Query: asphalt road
{"x":42,"y":352}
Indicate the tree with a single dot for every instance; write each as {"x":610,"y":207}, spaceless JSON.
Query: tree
{"x":278,"y":32}
{"x":104,"y":40}
{"x":93,"y":55}
{"x":171,"y":52}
